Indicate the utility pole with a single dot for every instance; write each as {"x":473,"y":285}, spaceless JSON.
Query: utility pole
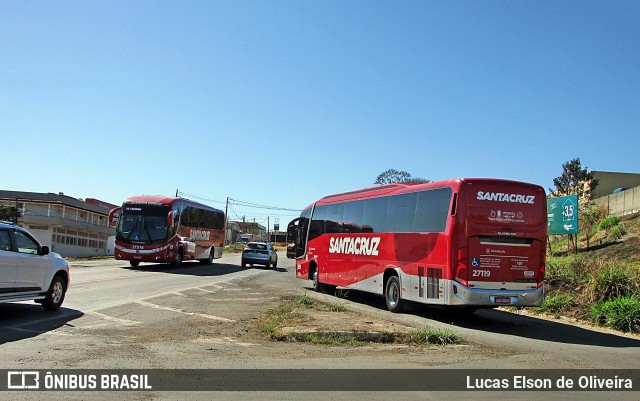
{"x":226,"y":221}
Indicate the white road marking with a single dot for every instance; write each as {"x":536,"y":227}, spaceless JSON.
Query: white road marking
{"x":223,"y":340}
{"x":207,"y":291}
{"x":150,"y":305}
{"x":124,"y":322}
{"x":241,"y":299}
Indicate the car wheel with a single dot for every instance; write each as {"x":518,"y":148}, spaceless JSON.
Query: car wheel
{"x":55,"y":296}
{"x":268,"y":265}
{"x":134,"y":263}
{"x":275,"y":264}
{"x":392,"y":295}
{"x":244,"y":264}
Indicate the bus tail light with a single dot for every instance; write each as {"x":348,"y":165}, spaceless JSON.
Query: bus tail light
{"x":541,"y":271}
{"x":461,"y":267}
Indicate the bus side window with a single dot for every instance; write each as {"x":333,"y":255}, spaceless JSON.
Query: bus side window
{"x":375,"y":215}
{"x":352,"y":219}
{"x":316,"y":228}
{"x":432,"y":210}
{"x":333,"y":219}
{"x":402,"y":213}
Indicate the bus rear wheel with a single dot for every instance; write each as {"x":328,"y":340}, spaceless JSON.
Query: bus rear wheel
{"x":209,"y":260}
{"x":392,"y":295}
{"x":134,"y":263}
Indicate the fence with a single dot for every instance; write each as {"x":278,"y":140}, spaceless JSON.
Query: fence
{"x":622,"y":203}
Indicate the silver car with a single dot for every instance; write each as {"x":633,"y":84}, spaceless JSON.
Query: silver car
{"x":259,"y":253}
{"x":30,"y":271}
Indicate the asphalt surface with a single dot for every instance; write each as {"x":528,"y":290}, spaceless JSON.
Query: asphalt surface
{"x":203,"y":317}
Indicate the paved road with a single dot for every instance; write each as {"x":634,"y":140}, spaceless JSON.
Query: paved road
{"x":203,"y":317}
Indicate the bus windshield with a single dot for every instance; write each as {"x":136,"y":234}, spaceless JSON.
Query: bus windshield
{"x":142,"y":225}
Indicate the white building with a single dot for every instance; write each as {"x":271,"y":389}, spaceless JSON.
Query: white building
{"x":70,"y":226}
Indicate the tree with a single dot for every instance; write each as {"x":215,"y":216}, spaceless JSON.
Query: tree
{"x":574,"y":180}
{"x":579,"y":181}
{"x":9,"y":213}
{"x":394,"y":176}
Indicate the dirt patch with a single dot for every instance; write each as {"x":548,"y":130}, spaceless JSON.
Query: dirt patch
{"x":307,"y":320}
{"x":221,"y":328}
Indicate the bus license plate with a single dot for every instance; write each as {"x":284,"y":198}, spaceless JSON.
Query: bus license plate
{"x":502,"y":300}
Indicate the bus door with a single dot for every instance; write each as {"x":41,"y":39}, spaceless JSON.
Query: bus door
{"x":296,"y":237}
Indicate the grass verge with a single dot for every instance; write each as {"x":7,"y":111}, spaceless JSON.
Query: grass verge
{"x":620,"y":314}
{"x":291,"y":312}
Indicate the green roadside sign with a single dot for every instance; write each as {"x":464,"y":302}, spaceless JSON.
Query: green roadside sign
{"x":562,"y":214}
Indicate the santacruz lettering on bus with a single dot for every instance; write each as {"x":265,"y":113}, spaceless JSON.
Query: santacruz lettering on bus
{"x":355,"y":246}
{"x":500,"y":197}
{"x":463,"y":242}
{"x":198,"y":235}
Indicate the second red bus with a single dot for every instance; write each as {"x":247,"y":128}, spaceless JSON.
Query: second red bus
{"x":163,"y":229}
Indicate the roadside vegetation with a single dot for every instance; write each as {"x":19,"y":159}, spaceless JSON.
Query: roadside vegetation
{"x":234,"y":248}
{"x":287,"y":321}
{"x":600,"y":283}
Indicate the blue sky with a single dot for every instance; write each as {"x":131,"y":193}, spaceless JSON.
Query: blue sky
{"x":283,"y":102}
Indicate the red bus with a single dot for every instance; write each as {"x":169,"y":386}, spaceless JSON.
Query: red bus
{"x":463,"y":243}
{"x":162,"y":229}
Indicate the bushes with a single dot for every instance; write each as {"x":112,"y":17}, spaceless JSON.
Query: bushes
{"x":559,"y":270}
{"x":572,"y":271}
{"x":609,"y":281}
{"x":612,"y":228}
{"x":593,"y":279}
{"x":617,"y":233}
{"x":556,"y":304}
{"x":609,"y":222}
{"x":620,"y":314}
{"x":614,"y":287}
{"x":604,"y":291}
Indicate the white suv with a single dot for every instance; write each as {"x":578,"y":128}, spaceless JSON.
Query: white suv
{"x":29,"y":271}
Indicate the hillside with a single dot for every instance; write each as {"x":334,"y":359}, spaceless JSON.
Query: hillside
{"x":600,"y":285}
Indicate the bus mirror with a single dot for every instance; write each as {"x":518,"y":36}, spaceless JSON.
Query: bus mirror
{"x":114,"y":214}
{"x":171,"y":217}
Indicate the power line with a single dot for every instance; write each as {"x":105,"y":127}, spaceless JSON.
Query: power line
{"x":240,"y":203}
{"x":192,"y":196}
{"x":259,"y":206}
